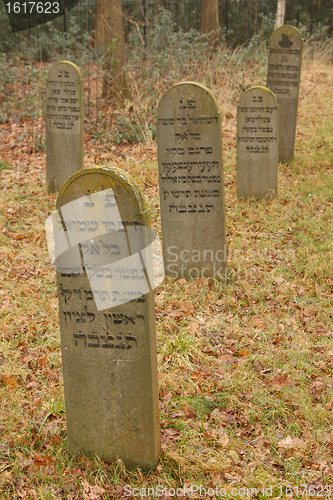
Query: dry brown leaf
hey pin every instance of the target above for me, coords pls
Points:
(219, 434)
(52, 427)
(171, 435)
(24, 461)
(309, 311)
(56, 440)
(225, 358)
(188, 411)
(187, 308)
(193, 327)
(10, 381)
(290, 443)
(92, 492)
(260, 325)
(217, 479)
(42, 361)
(167, 397)
(41, 460)
(278, 382)
(242, 353)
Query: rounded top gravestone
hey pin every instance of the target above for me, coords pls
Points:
(283, 78)
(107, 318)
(64, 123)
(189, 145)
(257, 143)
(99, 178)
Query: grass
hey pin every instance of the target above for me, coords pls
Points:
(245, 368)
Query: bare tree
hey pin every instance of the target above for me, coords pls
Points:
(109, 35)
(280, 12)
(210, 19)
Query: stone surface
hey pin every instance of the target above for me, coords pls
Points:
(283, 78)
(108, 351)
(189, 146)
(257, 144)
(64, 124)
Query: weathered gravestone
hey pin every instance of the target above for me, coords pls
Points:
(107, 318)
(189, 145)
(257, 144)
(64, 124)
(283, 78)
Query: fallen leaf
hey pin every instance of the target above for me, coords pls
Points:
(24, 461)
(10, 443)
(167, 397)
(56, 440)
(188, 411)
(171, 435)
(219, 434)
(216, 479)
(290, 443)
(278, 339)
(52, 427)
(10, 381)
(241, 353)
(260, 325)
(92, 492)
(278, 382)
(42, 361)
(42, 461)
(225, 358)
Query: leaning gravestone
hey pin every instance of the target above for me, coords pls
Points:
(257, 144)
(283, 78)
(107, 318)
(189, 145)
(64, 124)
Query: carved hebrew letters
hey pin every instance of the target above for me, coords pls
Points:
(64, 85)
(64, 123)
(283, 79)
(257, 143)
(190, 174)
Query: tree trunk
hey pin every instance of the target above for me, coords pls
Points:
(109, 34)
(210, 20)
(280, 12)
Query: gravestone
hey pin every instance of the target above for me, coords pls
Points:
(107, 318)
(257, 144)
(64, 124)
(189, 146)
(283, 78)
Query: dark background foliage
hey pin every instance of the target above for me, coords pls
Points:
(240, 20)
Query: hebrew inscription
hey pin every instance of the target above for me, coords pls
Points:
(283, 79)
(116, 272)
(190, 177)
(64, 123)
(63, 100)
(257, 143)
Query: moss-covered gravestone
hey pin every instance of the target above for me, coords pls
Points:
(64, 124)
(107, 318)
(189, 146)
(257, 144)
(283, 78)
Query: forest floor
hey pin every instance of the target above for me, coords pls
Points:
(245, 368)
